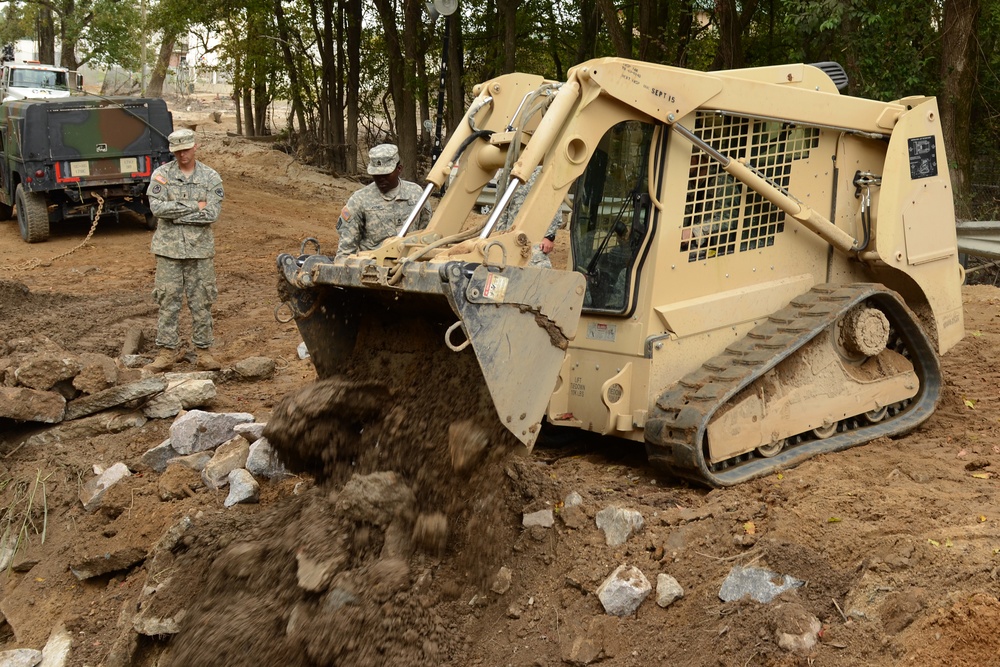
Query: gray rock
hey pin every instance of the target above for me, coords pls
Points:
(255, 368)
(134, 360)
(243, 488)
(573, 499)
(112, 421)
(94, 489)
(113, 397)
(97, 373)
(624, 590)
(251, 432)
(543, 518)
(158, 457)
(196, 461)
(667, 590)
(180, 394)
(157, 626)
(302, 351)
(757, 582)
(618, 524)
(173, 376)
(43, 370)
(262, 461)
(56, 651)
(196, 430)
(228, 457)
(32, 405)
(20, 657)
(106, 563)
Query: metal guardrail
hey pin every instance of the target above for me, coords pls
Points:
(979, 237)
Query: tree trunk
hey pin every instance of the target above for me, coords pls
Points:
(507, 13)
(732, 24)
(295, 89)
(590, 20)
(159, 73)
(249, 124)
(685, 28)
(619, 35)
(339, 152)
(959, 73)
(403, 99)
(354, 18)
(455, 91)
(652, 31)
(46, 36)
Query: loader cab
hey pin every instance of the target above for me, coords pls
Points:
(612, 217)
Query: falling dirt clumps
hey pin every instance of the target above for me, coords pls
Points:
(415, 505)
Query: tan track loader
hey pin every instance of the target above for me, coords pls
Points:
(762, 269)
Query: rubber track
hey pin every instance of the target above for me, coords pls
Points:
(675, 433)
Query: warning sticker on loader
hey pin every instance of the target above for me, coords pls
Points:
(923, 157)
(601, 331)
(495, 287)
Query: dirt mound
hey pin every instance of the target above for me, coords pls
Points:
(418, 503)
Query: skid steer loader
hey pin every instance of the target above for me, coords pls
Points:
(762, 268)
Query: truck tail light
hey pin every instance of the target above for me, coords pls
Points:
(39, 173)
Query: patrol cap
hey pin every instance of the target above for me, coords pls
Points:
(181, 140)
(382, 159)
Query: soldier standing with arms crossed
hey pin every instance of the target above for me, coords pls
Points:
(378, 210)
(186, 197)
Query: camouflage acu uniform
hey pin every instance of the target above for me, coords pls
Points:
(538, 258)
(371, 217)
(184, 245)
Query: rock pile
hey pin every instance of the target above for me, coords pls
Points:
(44, 383)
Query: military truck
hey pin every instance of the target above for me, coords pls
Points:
(79, 156)
(762, 269)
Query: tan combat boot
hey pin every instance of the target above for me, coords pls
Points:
(206, 361)
(165, 360)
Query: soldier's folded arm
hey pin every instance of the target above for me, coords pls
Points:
(211, 210)
(349, 238)
(171, 210)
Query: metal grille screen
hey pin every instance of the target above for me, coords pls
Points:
(722, 216)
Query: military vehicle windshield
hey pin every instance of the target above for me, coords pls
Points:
(39, 78)
(611, 215)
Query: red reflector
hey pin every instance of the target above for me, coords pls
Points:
(39, 173)
(28, 179)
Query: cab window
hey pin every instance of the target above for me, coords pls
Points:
(611, 214)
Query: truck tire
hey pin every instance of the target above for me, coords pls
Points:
(151, 222)
(32, 215)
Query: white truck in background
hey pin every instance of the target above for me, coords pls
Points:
(30, 79)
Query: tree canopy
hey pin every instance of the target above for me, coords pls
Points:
(357, 72)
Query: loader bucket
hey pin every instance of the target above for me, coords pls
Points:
(516, 321)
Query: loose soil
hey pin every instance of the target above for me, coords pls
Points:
(897, 541)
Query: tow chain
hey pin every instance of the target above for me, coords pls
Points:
(35, 262)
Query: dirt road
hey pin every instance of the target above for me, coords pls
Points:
(897, 542)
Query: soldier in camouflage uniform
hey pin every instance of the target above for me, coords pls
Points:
(378, 210)
(186, 197)
(540, 251)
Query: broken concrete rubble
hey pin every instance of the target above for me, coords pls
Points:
(94, 489)
(197, 430)
(32, 405)
(624, 590)
(114, 396)
(228, 457)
